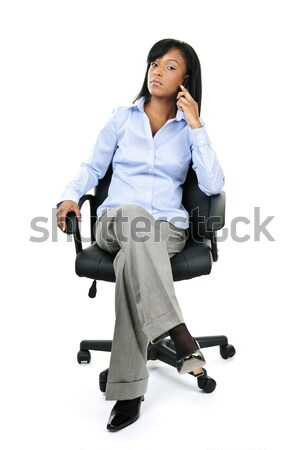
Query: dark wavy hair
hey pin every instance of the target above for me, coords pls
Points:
(193, 83)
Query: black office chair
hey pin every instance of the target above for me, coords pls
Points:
(207, 215)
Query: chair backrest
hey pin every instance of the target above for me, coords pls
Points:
(196, 202)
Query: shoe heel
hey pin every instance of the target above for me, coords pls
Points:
(191, 362)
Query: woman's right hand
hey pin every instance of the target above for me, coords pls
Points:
(64, 208)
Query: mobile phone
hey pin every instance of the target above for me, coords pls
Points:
(185, 84)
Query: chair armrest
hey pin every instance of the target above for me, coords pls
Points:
(216, 219)
(72, 223)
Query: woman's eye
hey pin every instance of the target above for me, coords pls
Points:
(153, 64)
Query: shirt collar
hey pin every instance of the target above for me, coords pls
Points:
(140, 105)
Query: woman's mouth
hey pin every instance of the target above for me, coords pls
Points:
(156, 83)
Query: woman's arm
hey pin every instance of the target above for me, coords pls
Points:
(205, 163)
(209, 172)
(90, 172)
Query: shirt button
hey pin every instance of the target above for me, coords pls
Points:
(150, 169)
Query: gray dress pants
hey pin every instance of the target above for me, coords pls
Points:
(146, 307)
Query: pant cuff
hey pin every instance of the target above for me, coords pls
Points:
(126, 391)
(158, 328)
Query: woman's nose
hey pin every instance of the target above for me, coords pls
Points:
(158, 71)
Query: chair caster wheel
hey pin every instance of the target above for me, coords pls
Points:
(103, 377)
(84, 357)
(207, 384)
(227, 351)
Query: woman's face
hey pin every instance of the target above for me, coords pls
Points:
(166, 74)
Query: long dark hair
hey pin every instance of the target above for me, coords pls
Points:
(193, 83)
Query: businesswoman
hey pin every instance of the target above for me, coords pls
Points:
(142, 221)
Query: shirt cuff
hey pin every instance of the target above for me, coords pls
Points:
(68, 195)
(199, 136)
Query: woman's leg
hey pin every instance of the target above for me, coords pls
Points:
(145, 301)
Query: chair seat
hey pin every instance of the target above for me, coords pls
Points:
(193, 261)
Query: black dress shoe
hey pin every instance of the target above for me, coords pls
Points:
(191, 362)
(120, 419)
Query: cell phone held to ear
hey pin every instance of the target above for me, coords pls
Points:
(185, 84)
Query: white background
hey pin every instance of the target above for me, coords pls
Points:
(64, 66)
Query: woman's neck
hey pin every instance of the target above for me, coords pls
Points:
(162, 108)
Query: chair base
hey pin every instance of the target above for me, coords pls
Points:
(163, 351)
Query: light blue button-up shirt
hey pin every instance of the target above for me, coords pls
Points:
(148, 171)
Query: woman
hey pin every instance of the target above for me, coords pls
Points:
(151, 144)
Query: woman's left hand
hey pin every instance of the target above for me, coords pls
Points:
(187, 104)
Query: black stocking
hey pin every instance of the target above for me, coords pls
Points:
(127, 405)
(184, 342)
